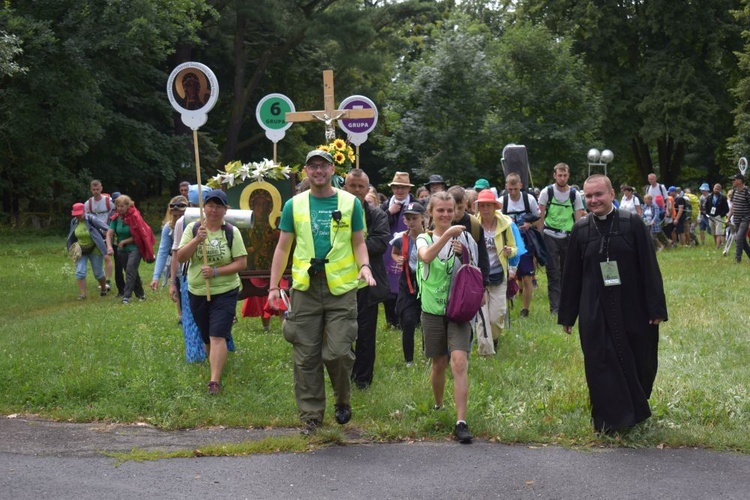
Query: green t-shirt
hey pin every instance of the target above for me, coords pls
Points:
(321, 215)
(122, 231)
(84, 237)
(218, 254)
(434, 279)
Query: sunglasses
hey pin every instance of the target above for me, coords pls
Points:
(178, 206)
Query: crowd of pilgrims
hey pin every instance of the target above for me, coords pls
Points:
(513, 232)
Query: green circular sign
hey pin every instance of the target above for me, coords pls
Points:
(271, 112)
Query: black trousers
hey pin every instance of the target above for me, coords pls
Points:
(410, 317)
(119, 272)
(364, 348)
(390, 310)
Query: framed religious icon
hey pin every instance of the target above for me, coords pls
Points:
(266, 199)
(192, 90)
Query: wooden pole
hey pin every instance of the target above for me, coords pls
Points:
(357, 154)
(200, 205)
(274, 152)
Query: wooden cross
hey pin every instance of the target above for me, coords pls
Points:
(330, 114)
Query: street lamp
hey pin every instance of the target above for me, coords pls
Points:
(597, 159)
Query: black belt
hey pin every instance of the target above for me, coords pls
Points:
(560, 231)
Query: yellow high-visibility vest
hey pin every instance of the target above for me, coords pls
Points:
(341, 269)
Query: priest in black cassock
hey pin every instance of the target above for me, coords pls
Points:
(613, 286)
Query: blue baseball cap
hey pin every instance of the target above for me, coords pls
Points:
(216, 195)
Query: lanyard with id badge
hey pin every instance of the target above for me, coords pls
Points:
(610, 271)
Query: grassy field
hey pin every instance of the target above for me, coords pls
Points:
(97, 360)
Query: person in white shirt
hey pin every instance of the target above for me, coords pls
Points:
(100, 205)
(630, 201)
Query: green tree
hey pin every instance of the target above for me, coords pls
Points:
(663, 68)
(739, 144)
(92, 102)
(264, 46)
(10, 48)
(438, 107)
(542, 99)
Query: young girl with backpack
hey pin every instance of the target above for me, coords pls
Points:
(408, 306)
(437, 258)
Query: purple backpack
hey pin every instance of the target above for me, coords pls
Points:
(466, 291)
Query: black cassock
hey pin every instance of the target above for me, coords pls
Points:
(619, 345)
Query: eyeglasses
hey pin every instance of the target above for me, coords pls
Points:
(317, 166)
(178, 206)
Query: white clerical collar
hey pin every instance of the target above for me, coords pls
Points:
(604, 217)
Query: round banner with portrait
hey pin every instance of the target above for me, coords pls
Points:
(192, 89)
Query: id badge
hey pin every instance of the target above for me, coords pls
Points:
(610, 273)
(713, 210)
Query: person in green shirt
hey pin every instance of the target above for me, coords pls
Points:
(127, 251)
(216, 274)
(329, 262)
(445, 342)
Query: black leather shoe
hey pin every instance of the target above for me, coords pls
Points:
(311, 427)
(343, 414)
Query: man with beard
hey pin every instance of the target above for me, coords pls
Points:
(329, 262)
(560, 206)
(612, 284)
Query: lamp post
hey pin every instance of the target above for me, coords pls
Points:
(600, 159)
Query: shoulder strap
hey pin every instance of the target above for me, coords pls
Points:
(550, 195)
(405, 264)
(91, 206)
(476, 228)
(505, 204)
(107, 200)
(526, 205)
(228, 232)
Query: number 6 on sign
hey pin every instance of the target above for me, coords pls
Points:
(271, 115)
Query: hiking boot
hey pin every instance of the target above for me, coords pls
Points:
(343, 414)
(524, 313)
(311, 427)
(462, 433)
(214, 387)
(437, 407)
(81, 297)
(125, 301)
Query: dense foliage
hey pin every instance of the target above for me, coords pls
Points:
(82, 87)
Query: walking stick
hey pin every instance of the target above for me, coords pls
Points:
(200, 206)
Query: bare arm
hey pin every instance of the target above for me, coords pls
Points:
(280, 258)
(542, 214)
(428, 254)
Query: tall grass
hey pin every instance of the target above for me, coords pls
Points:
(99, 360)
